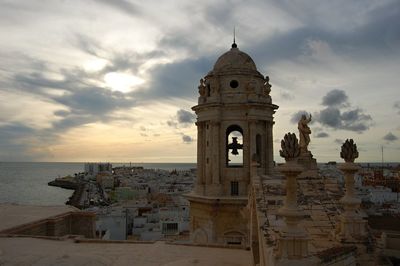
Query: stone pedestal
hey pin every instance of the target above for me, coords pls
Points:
(293, 242)
(309, 164)
(352, 227)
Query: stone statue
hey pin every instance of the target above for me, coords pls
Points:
(290, 147)
(202, 88)
(304, 133)
(267, 86)
(349, 151)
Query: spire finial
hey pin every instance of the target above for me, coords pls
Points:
(234, 45)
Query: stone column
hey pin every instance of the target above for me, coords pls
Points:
(215, 152)
(352, 226)
(214, 188)
(269, 147)
(252, 142)
(200, 158)
(208, 154)
(293, 243)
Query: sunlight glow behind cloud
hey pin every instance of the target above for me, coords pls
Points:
(94, 65)
(122, 82)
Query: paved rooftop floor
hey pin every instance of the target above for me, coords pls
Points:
(30, 251)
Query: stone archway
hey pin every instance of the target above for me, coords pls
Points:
(200, 236)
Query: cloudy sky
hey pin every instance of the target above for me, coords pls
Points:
(101, 80)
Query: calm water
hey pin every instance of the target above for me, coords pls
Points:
(26, 183)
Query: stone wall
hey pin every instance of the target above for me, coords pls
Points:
(71, 223)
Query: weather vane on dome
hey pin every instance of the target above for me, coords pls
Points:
(234, 45)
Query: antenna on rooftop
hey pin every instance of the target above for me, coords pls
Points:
(382, 160)
(234, 45)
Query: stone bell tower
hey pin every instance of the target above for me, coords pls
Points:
(234, 127)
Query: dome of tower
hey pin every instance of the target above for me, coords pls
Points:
(234, 59)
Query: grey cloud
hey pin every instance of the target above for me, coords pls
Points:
(175, 80)
(62, 113)
(397, 107)
(88, 45)
(321, 135)
(222, 14)
(335, 98)
(122, 5)
(128, 61)
(330, 117)
(390, 137)
(185, 117)
(377, 36)
(172, 123)
(94, 100)
(296, 116)
(117, 61)
(338, 141)
(17, 141)
(286, 95)
(187, 139)
(353, 120)
(85, 102)
(346, 118)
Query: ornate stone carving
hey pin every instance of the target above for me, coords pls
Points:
(267, 86)
(290, 147)
(304, 133)
(349, 151)
(251, 86)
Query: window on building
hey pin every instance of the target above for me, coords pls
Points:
(234, 146)
(170, 228)
(233, 238)
(234, 188)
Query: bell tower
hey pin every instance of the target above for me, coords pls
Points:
(234, 128)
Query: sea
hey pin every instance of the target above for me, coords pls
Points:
(26, 182)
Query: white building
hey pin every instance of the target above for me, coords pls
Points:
(93, 169)
(380, 195)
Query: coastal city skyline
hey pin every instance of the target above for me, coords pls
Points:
(116, 80)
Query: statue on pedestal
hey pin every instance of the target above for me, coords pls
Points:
(306, 158)
(304, 133)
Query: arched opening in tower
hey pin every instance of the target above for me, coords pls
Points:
(234, 146)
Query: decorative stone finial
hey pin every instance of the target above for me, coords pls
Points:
(290, 147)
(349, 151)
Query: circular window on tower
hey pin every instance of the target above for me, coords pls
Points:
(234, 84)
